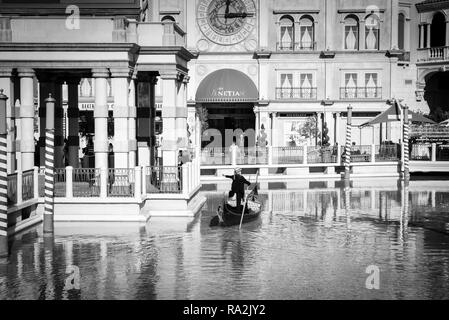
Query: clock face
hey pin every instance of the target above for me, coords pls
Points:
(224, 30)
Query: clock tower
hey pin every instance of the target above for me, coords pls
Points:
(227, 23)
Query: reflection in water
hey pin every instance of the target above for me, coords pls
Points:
(307, 244)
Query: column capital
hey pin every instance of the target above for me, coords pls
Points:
(153, 80)
(26, 72)
(73, 81)
(186, 80)
(5, 72)
(120, 72)
(100, 73)
(170, 75)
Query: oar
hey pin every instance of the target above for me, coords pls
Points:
(243, 211)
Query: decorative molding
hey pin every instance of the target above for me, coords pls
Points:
(169, 12)
(296, 11)
(261, 54)
(328, 54)
(348, 11)
(327, 102)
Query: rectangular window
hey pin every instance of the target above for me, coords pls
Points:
(306, 86)
(371, 86)
(306, 42)
(286, 86)
(350, 90)
(351, 37)
(372, 38)
(286, 38)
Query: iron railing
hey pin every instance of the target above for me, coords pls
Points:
(163, 179)
(60, 183)
(41, 182)
(254, 155)
(360, 153)
(121, 183)
(421, 152)
(288, 155)
(86, 182)
(361, 93)
(387, 152)
(317, 154)
(28, 185)
(442, 153)
(295, 46)
(12, 188)
(215, 156)
(296, 93)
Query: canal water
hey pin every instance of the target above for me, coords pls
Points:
(307, 244)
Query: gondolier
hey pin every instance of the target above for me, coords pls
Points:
(238, 186)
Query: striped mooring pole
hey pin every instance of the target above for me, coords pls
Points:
(49, 164)
(3, 178)
(348, 144)
(406, 133)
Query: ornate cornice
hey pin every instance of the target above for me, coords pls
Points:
(108, 47)
(432, 5)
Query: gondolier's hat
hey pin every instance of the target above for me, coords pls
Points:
(238, 170)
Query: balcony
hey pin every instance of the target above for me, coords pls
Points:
(295, 47)
(360, 93)
(296, 93)
(433, 54)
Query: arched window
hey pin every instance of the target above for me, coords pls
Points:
(286, 33)
(438, 31)
(401, 31)
(168, 19)
(306, 33)
(372, 32)
(351, 33)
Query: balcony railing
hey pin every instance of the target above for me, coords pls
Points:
(433, 54)
(296, 93)
(361, 93)
(295, 46)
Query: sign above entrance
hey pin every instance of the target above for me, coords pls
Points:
(91, 106)
(227, 85)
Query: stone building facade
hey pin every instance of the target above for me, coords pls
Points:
(276, 67)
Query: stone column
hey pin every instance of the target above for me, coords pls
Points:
(120, 87)
(59, 127)
(274, 133)
(169, 115)
(27, 117)
(6, 83)
(428, 35)
(394, 24)
(337, 127)
(421, 36)
(73, 129)
(319, 117)
(181, 113)
(132, 133)
(447, 33)
(101, 117)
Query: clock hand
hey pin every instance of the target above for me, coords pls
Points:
(228, 2)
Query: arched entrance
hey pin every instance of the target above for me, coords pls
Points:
(229, 96)
(438, 31)
(437, 95)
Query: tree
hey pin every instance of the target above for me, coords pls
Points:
(309, 129)
(203, 115)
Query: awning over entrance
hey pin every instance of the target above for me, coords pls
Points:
(227, 85)
(393, 114)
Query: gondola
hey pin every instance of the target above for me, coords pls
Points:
(230, 216)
